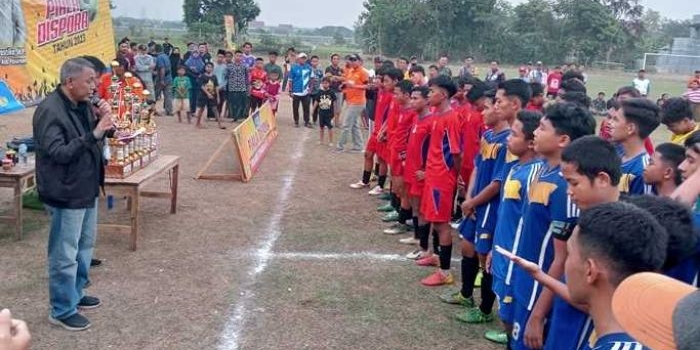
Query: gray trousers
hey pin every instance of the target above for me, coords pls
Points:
(351, 126)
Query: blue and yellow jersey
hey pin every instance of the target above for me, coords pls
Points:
(510, 212)
(490, 162)
(549, 213)
(632, 180)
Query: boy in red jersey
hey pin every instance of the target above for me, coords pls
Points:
(400, 123)
(416, 154)
(554, 83)
(441, 171)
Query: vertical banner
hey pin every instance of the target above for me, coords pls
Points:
(230, 29)
(253, 138)
(37, 36)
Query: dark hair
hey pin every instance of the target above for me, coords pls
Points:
(693, 141)
(314, 56)
(675, 110)
(406, 86)
(133, 44)
(444, 82)
(537, 89)
(479, 90)
(468, 57)
(626, 237)
(181, 67)
(423, 90)
(678, 222)
(403, 58)
(273, 52)
(97, 64)
(571, 119)
(628, 90)
(579, 98)
(674, 155)
(238, 51)
(394, 73)
(572, 74)
(592, 156)
(495, 61)
(643, 113)
(209, 64)
(570, 85)
(601, 93)
(530, 120)
(326, 80)
(417, 69)
(259, 59)
(203, 43)
(335, 55)
(517, 88)
(247, 43)
(432, 66)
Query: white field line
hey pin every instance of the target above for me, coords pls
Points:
(232, 330)
(344, 256)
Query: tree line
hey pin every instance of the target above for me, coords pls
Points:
(582, 31)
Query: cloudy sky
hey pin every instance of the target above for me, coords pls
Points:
(317, 13)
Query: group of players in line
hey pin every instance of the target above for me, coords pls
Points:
(551, 216)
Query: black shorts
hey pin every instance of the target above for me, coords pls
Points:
(325, 120)
(204, 101)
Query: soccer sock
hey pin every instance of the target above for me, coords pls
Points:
(445, 257)
(424, 236)
(382, 181)
(395, 202)
(404, 215)
(416, 229)
(436, 242)
(376, 169)
(487, 295)
(365, 176)
(470, 269)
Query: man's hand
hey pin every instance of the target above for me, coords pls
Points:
(489, 259)
(14, 334)
(468, 207)
(420, 175)
(534, 332)
(529, 266)
(103, 125)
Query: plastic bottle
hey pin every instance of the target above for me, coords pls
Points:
(23, 153)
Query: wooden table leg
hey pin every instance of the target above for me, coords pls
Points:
(134, 217)
(173, 189)
(18, 209)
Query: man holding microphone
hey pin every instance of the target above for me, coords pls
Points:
(69, 131)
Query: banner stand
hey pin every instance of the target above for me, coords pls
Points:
(249, 142)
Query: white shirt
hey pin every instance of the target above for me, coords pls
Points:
(642, 85)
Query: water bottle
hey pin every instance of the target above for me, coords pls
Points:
(110, 202)
(23, 153)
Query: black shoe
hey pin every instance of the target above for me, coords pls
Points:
(296, 125)
(308, 125)
(77, 322)
(88, 302)
(95, 262)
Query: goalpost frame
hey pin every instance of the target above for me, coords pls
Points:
(646, 54)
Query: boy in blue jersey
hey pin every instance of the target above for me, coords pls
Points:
(508, 227)
(611, 242)
(662, 172)
(630, 125)
(548, 219)
(481, 207)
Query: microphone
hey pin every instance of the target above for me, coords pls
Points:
(95, 100)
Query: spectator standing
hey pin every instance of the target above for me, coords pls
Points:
(175, 59)
(70, 170)
(288, 61)
(355, 84)
(335, 73)
(238, 77)
(537, 74)
(191, 48)
(316, 76)
(145, 67)
(468, 70)
(203, 49)
(124, 52)
(248, 57)
(220, 74)
(443, 69)
(692, 94)
(195, 68)
(495, 75)
(164, 79)
(554, 83)
(272, 66)
(642, 83)
(167, 46)
(300, 81)
(258, 78)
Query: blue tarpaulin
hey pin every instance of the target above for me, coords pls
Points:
(8, 103)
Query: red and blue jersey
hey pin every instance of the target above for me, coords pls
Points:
(548, 214)
(510, 213)
(472, 131)
(445, 144)
(632, 180)
(490, 162)
(399, 138)
(417, 147)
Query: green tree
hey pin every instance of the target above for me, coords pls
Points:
(211, 12)
(338, 39)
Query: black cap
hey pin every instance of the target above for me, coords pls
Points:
(353, 57)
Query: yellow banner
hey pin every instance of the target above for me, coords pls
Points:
(253, 138)
(230, 29)
(37, 36)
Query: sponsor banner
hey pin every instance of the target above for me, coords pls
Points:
(253, 138)
(37, 36)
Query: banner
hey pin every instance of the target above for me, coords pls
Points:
(8, 103)
(253, 138)
(37, 36)
(230, 29)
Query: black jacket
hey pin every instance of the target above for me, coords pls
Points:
(69, 161)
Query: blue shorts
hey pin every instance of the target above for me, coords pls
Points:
(568, 327)
(504, 293)
(467, 229)
(520, 317)
(484, 242)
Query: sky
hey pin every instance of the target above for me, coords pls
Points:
(319, 13)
